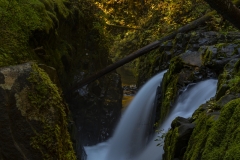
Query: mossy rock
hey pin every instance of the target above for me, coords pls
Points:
(34, 116)
(177, 138)
(216, 134)
(216, 139)
(229, 80)
(179, 75)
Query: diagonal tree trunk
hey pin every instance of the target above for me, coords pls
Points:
(141, 52)
(227, 9)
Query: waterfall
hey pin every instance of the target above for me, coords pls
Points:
(186, 104)
(130, 141)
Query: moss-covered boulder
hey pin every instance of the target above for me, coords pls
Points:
(33, 115)
(216, 138)
(176, 140)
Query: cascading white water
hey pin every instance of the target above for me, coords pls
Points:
(129, 139)
(186, 104)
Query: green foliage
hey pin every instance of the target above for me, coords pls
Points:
(19, 20)
(160, 137)
(153, 20)
(65, 34)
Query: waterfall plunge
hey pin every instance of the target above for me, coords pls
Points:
(129, 139)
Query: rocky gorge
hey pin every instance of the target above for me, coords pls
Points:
(63, 43)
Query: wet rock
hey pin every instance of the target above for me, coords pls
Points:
(129, 90)
(192, 58)
(33, 116)
(180, 132)
(221, 91)
(96, 108)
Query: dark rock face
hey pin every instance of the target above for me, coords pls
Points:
(181, 130)
(96, 109)
(33, 116)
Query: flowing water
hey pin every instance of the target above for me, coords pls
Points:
(130, 140)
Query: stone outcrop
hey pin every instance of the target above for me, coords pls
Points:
(33, 115)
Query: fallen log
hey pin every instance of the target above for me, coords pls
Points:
(141, 51)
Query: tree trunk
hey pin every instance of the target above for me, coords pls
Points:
(227, 9)
(141, 51)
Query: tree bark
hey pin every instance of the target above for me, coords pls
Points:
(141, 52)
(227, 9)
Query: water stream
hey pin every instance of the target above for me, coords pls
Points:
(130, 141)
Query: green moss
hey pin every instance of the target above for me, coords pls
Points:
(220, 50)
(231, 78)
(169, 86)
(208, 54)
(224, 135)
(216, 140)
(170, 143)
(54, 140)
(198, 138)
(234, 84)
